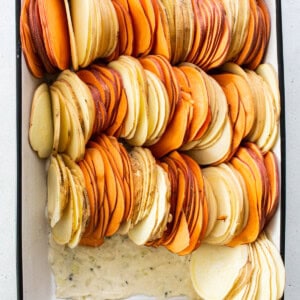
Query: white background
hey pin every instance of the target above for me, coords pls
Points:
(8, 146)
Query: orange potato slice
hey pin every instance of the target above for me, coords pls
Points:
(32, 58)
(55, 32)
(272, 169)
(141, 27)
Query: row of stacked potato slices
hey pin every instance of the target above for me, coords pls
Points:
(165, 137)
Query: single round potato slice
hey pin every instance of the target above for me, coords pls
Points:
(215, 269)
(41, 130)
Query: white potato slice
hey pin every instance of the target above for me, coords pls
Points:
(264, 281)
(253, 284)
(242, 184)
(56, 197)
(270, 119)
(163, 108)
(80, 98)
(217, 151)
(221, 230)
(278, 262)
(270, 263)
(162, 193)
(153, 104)
(219, 109)
(256, 84)
(269, 75)
(56, 118)
(211, 206)
(236, 198)
(80, 13)
(73, 45)
(129, 79)
(41, 132)
(141, 232)
(73, 196)
(65, 127)
(76, 147)
(62, 231)
(215, 269)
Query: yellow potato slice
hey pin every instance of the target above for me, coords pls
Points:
(215, 269)
(41, 131)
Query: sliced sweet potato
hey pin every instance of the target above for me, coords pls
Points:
(174, 135)
(161, 44)
(272, 169)
(200, 102)
(55, 32)
(141, 27)
(252, 229)
(163, 69)
(90, 187)
(251, 36)
(33, 61)
(36, 28)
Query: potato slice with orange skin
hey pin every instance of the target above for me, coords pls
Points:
(117, 215)
(272, 169)
(198, 224)
(113, 83)
(181, 238)
(100, 111)
(170, 168)
(33, 61)
(173, 137)
(90, 168)
(178, 239)
(55, 32)
(252, 229)
(88, 77)
(106, 174)
(261, 180)
(73, 49)
(163, 69)
(130, 200)
(199, 94)
(221, 42)
(197, 173)
(240, 79)
(161, 44)
(206, 12)
(198, 32)
(113, 153)
(254, 58)
(38, 38)
(141, 27)
(252, 38)
(236, 111)
(91, 197)
(126, 36)
(91, 242)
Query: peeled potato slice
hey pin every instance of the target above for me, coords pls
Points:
(215, 269)
(41, 122)
(141, 232)
(62, 231)
(56, 196)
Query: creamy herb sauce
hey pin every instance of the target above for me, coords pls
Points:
(119, 269)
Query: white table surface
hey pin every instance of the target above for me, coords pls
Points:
(8, 148)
